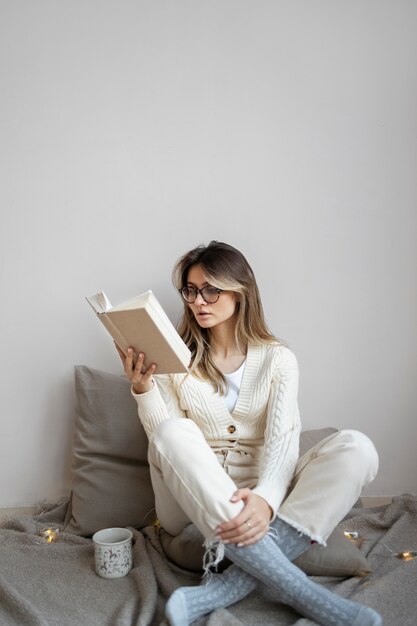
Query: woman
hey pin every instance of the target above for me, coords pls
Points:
(232, 467)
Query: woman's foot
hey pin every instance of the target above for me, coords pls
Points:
(187, 604)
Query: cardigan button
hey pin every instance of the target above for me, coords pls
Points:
(231, 429)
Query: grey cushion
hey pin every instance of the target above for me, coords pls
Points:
(111, 481)
(310, 438)
(341, 557)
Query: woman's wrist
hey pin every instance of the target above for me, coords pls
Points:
(142, 389)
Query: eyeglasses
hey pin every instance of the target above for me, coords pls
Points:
(208, 293)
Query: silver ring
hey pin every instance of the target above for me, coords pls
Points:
(248, 524)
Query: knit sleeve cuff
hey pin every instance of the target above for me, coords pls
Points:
(152, 409)
(272, 494)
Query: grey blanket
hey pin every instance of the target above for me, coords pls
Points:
(55, 584)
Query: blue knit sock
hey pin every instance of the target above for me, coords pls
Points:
(266, 562)
(187, 604)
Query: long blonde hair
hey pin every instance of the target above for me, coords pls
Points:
(226, 268)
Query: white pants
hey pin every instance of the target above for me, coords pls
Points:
(191, 482)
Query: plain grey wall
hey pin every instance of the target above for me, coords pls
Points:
(132, 131)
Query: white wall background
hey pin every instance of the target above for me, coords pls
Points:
(132, 131)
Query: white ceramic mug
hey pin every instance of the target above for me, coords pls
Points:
(113, 552)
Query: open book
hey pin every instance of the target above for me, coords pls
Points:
(142, 324)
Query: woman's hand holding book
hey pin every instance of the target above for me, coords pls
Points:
(141, 381)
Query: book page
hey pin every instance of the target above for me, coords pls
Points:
(99, 302)
(134, 303)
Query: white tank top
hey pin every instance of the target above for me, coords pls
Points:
(234, 381)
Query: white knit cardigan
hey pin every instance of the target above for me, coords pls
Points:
(266, 412)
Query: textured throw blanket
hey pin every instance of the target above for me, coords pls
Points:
(55, 584)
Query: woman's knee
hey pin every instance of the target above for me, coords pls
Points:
(361, 450)
(166, 428)
(171, 431)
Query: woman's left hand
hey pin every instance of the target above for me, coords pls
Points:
(251, 524)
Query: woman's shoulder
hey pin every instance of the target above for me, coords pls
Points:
(280, 354)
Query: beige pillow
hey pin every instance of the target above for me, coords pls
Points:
(341, 557)
(111, 481)
(310, 438)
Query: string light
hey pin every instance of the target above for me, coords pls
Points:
(49, 534)
(407, 555)
(351, 534)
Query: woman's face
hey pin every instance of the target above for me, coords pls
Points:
(210, 315)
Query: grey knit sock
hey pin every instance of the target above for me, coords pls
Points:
(187, 604)
(265, 561)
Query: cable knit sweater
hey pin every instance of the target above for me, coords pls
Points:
(266, 413)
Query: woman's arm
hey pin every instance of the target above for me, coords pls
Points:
(156, 402)
(282, 432)
(279, 457)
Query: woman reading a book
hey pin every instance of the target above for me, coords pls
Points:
(223, 449)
